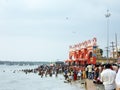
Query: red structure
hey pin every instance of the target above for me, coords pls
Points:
(83, 53)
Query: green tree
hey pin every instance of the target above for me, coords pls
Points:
(101, 52)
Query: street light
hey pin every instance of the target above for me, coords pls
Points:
(107, 15)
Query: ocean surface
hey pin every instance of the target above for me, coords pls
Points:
(18, 80)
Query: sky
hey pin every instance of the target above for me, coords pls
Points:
(43, 30)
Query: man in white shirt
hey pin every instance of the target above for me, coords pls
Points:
(117, 79)
(89, 71)
(108, 78)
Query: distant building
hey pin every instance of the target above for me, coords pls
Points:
(59, 62)
(83, 53)
(115, 53)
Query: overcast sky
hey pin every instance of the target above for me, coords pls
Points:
(42, 30)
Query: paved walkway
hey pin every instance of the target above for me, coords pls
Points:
(91, 86)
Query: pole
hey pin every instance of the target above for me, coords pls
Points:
(113, 55)
(116, 45)
(107, 15)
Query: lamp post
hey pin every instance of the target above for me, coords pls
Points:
(116, 46)
(107, 15)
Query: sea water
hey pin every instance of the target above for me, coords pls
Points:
(13, 79)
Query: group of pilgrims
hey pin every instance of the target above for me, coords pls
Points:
(45, 70)
(71, 73)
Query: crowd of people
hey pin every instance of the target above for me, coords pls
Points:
(105, 74)
(45, 70)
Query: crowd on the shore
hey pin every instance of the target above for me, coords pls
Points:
(106, 74)
(100, 73)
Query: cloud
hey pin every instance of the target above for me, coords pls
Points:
(35, 21)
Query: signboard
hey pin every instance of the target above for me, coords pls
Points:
(85, 44)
